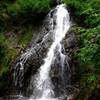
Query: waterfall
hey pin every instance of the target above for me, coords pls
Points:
(42, 82)
(51, 48)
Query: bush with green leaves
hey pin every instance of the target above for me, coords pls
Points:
(22, 12)
(86, 13)
(89, 46)
(21, 6)
(33, 6)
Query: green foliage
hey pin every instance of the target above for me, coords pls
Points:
(86, 12)
(89, 46)
(87, 16)
(39, 6)
(22, 12)
(24, 6)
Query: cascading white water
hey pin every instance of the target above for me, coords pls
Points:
(42, 80)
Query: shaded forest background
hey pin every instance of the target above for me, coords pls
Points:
(19, 17)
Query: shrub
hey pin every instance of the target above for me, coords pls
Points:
(35, 6)
(86, 12)
(22, 12)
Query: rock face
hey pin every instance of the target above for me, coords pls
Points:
(27, 64)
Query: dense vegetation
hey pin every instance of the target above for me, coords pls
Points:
(87, 16)
(17, 19)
